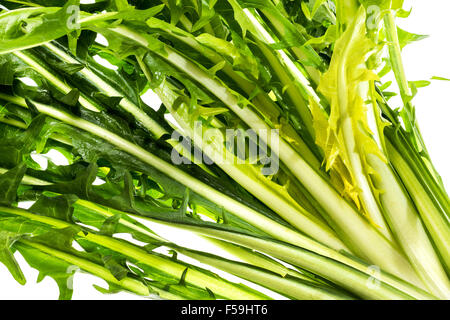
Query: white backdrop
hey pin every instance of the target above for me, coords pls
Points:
(422, 60)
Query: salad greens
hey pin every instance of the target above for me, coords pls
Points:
(275, 141)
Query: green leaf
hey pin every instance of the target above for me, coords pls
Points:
(7, 239)
(29, 27)
(316, 7)
(351, 164)
(60, 239)
(405, 37)
(230, 51)
(59, 207)
(71, 98)
(110, 225)
(9, 183)
(119, 272)
(81, 185)
(6, 72)
(140, 15)
(403, 13)
(112, 288)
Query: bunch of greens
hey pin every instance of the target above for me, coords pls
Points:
(353, 209)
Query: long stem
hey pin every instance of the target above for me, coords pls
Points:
(241, 253)
(295, 289)
(248, 214)
(299, 52)
(265, 104)
(246, 255)
(53, 79)
(29, 180)
(349, 133)
(250, 178)
(403, 217)
(255, 218)
(153, 126)
(409, 230)
(292, 71)
(97, 17)
(355, 278)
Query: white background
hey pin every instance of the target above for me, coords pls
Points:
(427, 58)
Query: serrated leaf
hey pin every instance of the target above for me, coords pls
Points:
(9, 183)
(347, 106)
(61, 271)
(117, 269)
(71, 98)
(20, 29)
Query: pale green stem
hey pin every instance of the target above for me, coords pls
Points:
(88, 266)
(286, 286)
(348, 129)
(409, 230)
(165, 265)
(437, 223)
(249, 176)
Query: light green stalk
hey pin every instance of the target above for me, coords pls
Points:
(357, 279)
(248, 214)
(256, 219)
(437, 223)
(263, 101)
(164, 265)
(409, 230)
(29, 180)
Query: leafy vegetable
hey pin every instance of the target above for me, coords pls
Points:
(328, 197)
